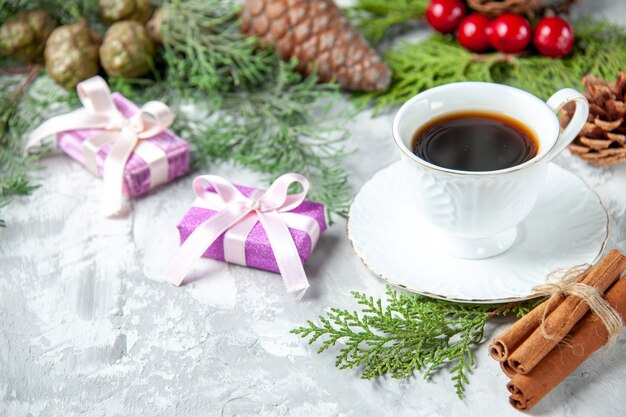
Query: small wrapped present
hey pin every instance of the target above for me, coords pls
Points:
(268, 230)
(131, 148)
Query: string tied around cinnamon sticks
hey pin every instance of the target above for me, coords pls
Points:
(569, 284)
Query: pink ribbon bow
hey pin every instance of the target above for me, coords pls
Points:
(239, 214)
(99, 112)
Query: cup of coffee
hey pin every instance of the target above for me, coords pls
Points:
(475, 156)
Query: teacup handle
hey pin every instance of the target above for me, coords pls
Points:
(556, 103)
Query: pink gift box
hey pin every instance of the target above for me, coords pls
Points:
(259, 252)
(136, 172)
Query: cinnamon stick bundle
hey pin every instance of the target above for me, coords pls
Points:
(525, 344)
(542, 340)
(586, 337)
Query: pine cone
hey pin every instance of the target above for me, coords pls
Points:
(602, 140)
(126, 50)
(320, 37)
(72, 54)
(24, 35)
(117, 10)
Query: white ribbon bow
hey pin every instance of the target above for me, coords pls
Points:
(239, 214)
(99, 112)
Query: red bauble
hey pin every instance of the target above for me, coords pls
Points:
(509, 33)
(472, 33)
(444, 15)
(554, 37)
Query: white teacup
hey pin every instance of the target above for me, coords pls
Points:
(475, 214)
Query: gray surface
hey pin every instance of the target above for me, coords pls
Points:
(87, 329)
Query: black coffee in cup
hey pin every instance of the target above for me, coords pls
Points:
(475, 141)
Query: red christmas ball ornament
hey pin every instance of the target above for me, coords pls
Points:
(554, 37)
(445, 15)
(509, 33)
(472, 33)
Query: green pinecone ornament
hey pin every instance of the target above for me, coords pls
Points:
(23, 36)
(72, 54)
(155, 25)
(118, 10)
(126, 50)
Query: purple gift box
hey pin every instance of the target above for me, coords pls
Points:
(137, 171)
(258, 250)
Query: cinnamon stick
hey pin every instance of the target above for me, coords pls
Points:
(509, 340)
(564, 317)
(507, 370)
(586, 337)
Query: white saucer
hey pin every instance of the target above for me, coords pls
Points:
(568, 226)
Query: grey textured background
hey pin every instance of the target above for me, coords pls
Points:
(87, 329)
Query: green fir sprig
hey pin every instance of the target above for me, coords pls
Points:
(408, 333)
(204, 49)
(20, 112)
(600, 49)
(15, 179)
(374, 18)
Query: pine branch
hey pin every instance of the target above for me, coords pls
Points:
(600, 49)
(409, 333)
(204, 49)
(418, 67)
(374, 18)
(14, 166)
(289, 125)
(25, 101)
